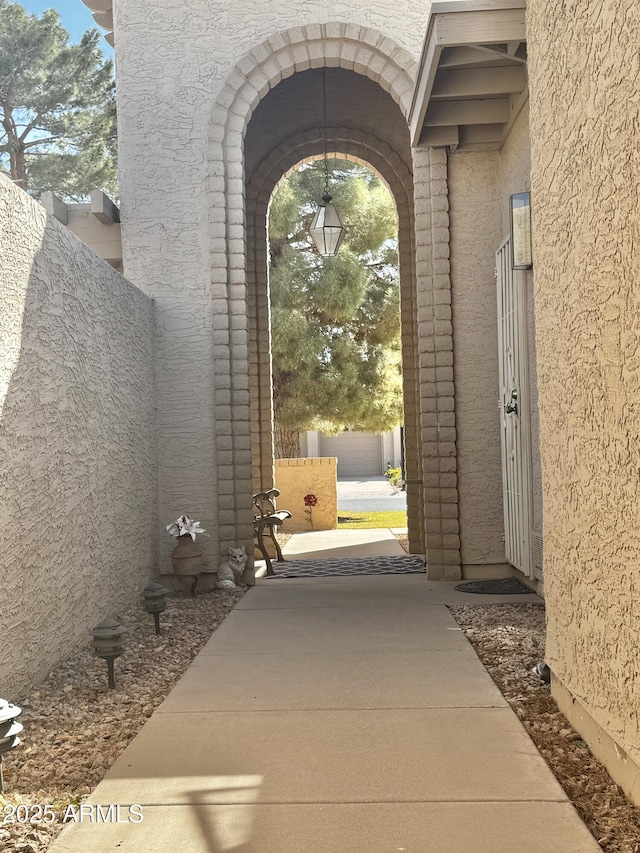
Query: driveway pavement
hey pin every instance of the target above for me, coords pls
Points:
(372, 494)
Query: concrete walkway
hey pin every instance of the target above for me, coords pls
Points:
(345, 715)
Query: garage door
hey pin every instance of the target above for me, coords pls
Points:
(359, 453)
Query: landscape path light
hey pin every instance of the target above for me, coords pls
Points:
(107, 642)
(155, 601)
(9, 731)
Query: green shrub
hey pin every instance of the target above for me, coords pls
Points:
(393, 475)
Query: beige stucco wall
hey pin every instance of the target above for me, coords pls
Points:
(583, 72)
(475, 226)
(514, 168)
(299, 477)
(182, 206)
(480, 184)
(77, 441)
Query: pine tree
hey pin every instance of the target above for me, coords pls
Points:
(335, 321)
(57, 107)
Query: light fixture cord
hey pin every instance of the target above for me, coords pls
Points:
(324, 128)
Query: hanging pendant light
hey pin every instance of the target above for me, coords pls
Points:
(326, 228)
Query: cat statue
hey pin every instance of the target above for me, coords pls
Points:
(231, 573)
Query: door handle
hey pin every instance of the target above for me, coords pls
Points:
(512, 407)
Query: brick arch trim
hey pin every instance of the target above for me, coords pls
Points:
(367, 150)
(349, 46)
(335, 45)
(353, 145)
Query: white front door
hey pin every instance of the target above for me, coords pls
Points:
(514, 410)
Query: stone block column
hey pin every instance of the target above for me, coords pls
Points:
(435, 365)
(260, 379)
(410, 388)
(231, 354)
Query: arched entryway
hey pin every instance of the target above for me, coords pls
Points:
(267, 118)
(350, 143)
(283, 127)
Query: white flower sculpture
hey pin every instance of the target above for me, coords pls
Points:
(183, 526)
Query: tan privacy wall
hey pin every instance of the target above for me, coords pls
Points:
(312, 476)
(583, 74)
(77, 441)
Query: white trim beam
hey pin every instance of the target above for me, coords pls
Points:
(489, 27)
(55, 207)
(456, 57)
(477, 83)
(103, 208)
(481, 134)
(516, 103)
(440, 137)
(492, 51)
(482, 146)
(426, 78)
(439, 7)
(465, 24)
(490, 111)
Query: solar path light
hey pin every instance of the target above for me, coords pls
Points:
(107, 642)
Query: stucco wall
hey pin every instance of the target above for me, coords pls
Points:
(183, 220)
(514, 168)
(480, 185)
(77, 441)
(475, 228)
(583, 73)
(299, 477)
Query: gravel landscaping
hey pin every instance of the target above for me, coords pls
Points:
(75, 727)
(509, 640)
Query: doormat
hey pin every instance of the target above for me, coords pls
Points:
(500, 586)
(338, 567)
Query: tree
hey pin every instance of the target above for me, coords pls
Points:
(57, 107)
(335, 321)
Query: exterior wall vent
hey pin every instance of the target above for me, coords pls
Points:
(536, 551)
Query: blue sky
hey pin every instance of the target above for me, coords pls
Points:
(75, 17)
